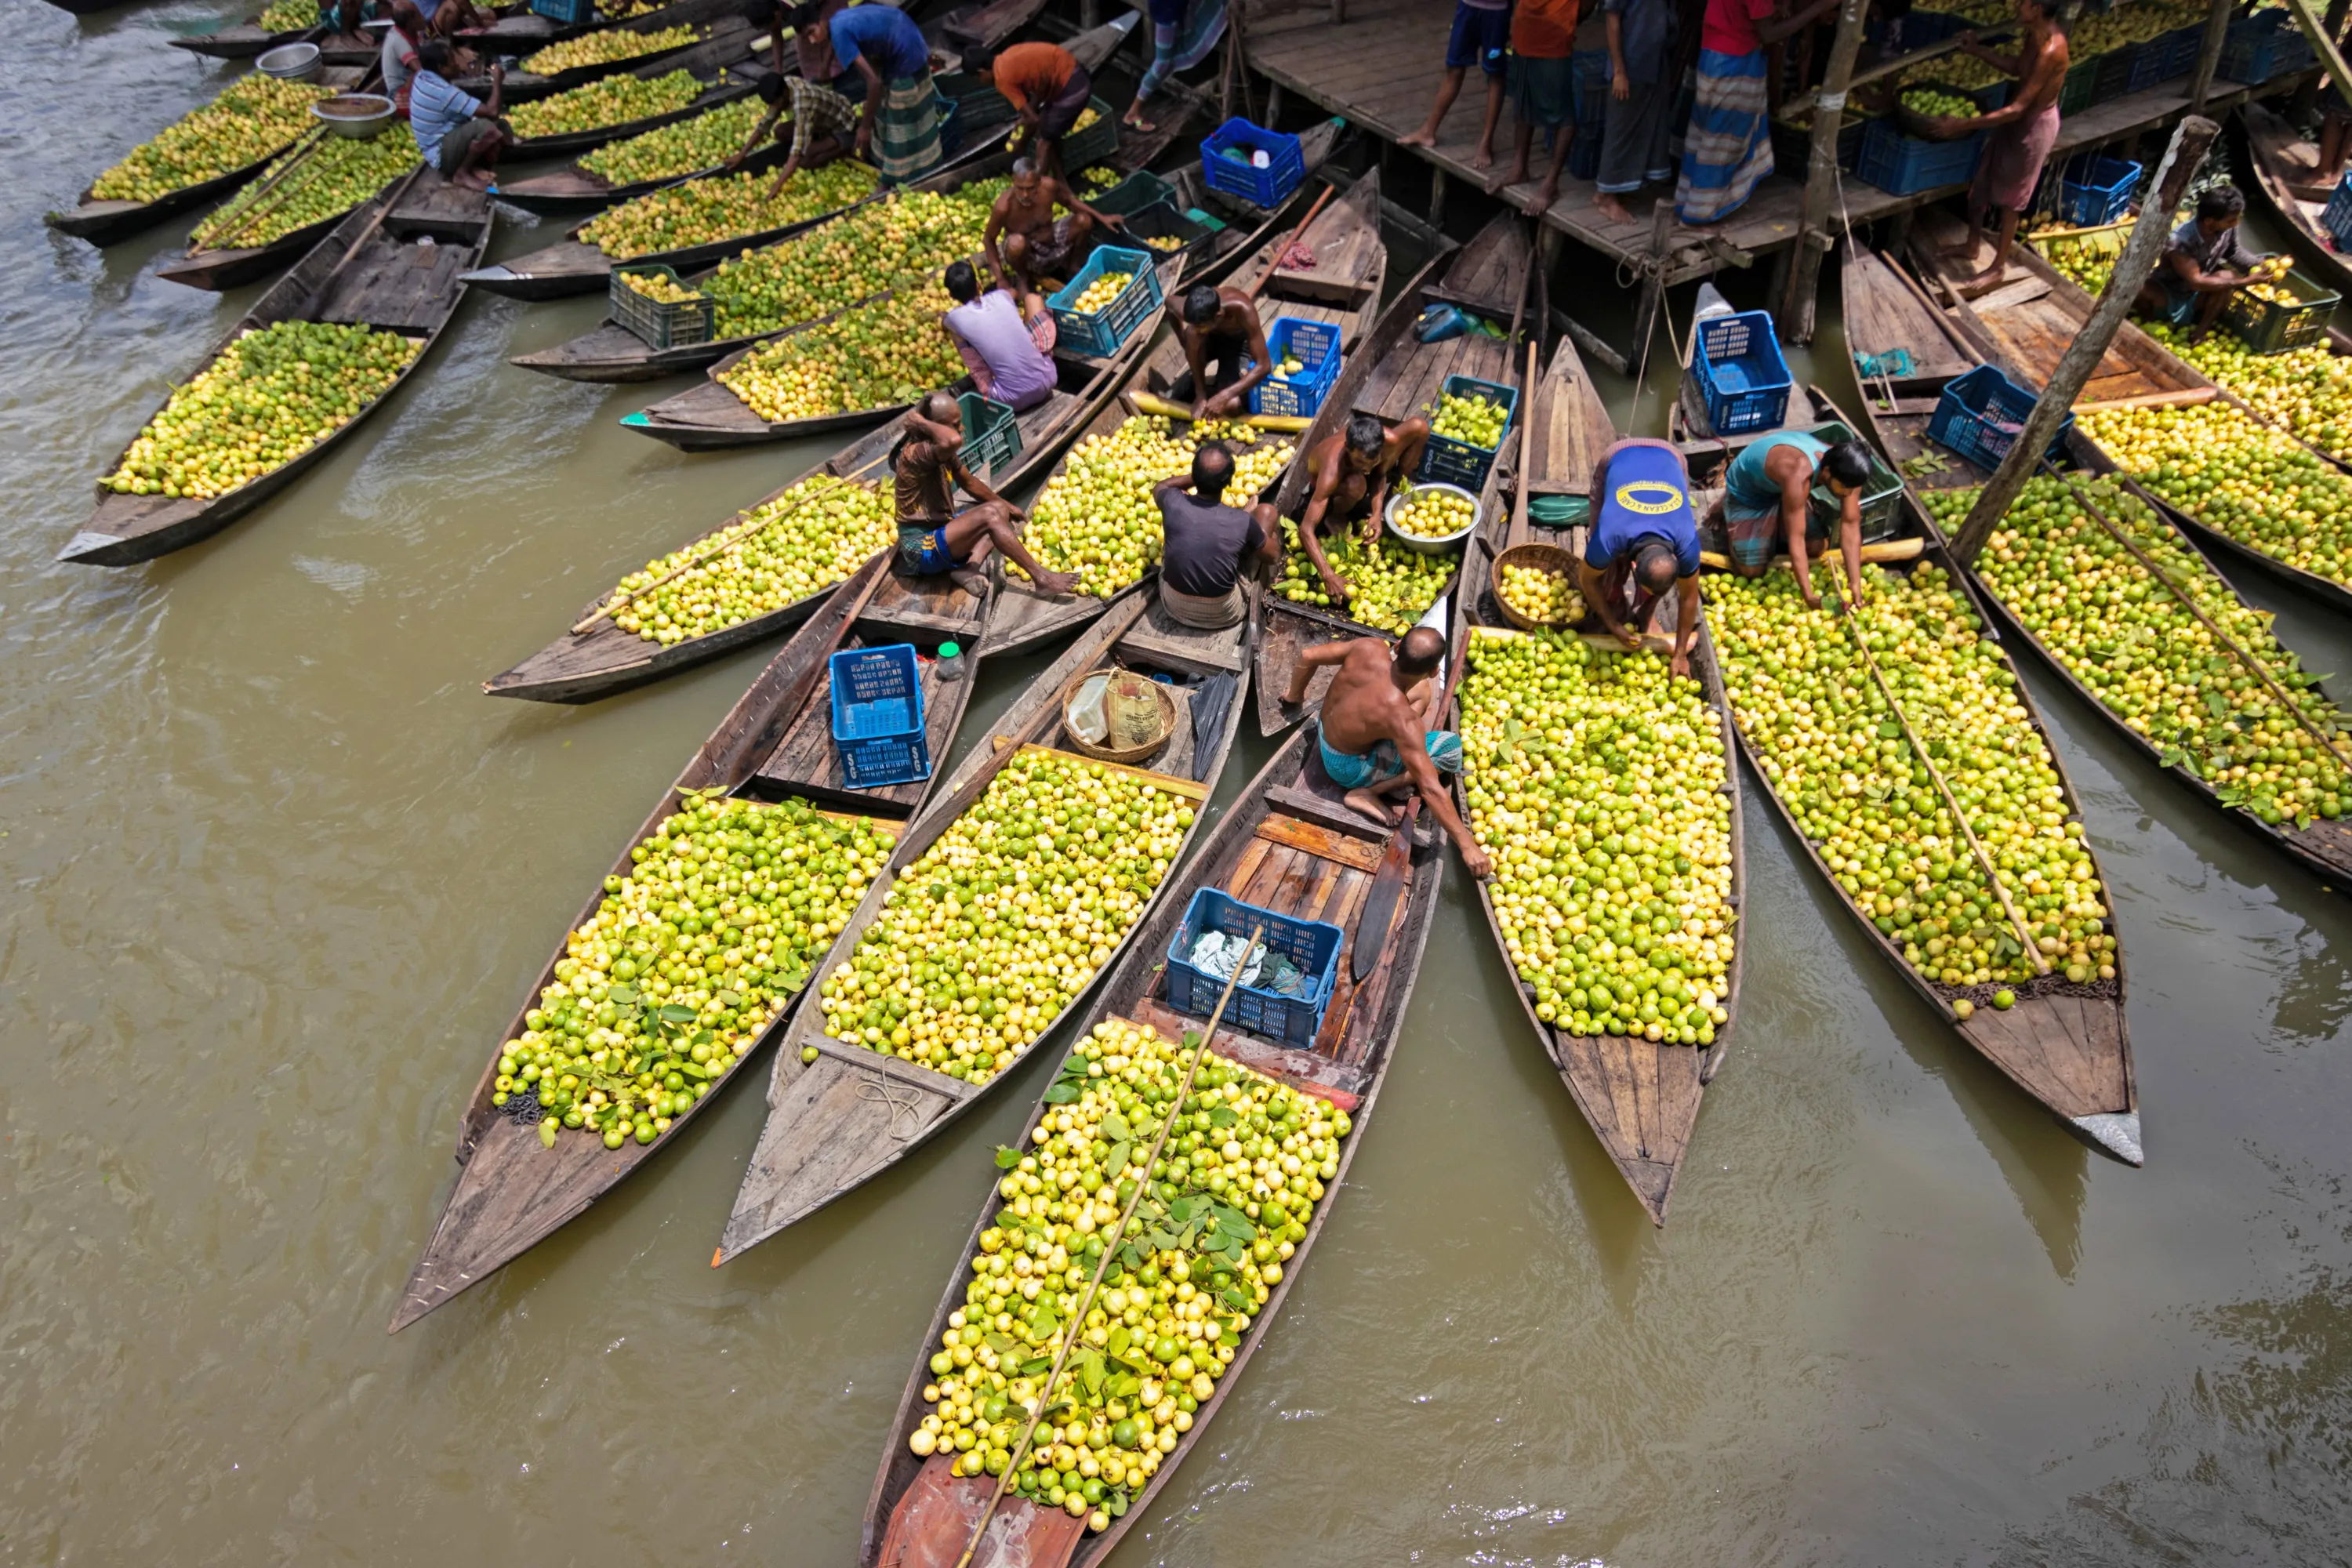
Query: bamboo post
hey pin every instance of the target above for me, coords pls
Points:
(1085, 1302)
(1653, 286)
(1795, 318)
(2189, 140)
(2208, 55)
(2324, 46)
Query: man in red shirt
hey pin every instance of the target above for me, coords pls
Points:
(1543, 92)
(1047, 87)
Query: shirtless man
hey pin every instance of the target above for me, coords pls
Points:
(1035, 244)
(1352, 472)
(2022, 131)
(1218, 327)
(936, 540)
(1375, 733)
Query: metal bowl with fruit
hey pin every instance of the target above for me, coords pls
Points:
(1432, 517)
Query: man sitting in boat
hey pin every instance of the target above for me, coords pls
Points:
(1643, 541)
(1374, 728)
(1024, 242)
(398, 55)
(1218, 329)
(2204, 262)
(1765, 505)
(1352, 473)
(1005, 342)
(458, 134)
(1209, 546)
(821, 119)
(934, 539)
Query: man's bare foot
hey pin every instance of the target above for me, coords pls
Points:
(473, 180)
(1062, 584)
(1541, 203)
(1517, 175)
(1610, 209)
(1484, 158)
(1370, 804)
(1424, 137)
(1983, 282)
(1141, 127)
(973, 579)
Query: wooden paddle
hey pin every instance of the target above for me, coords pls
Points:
(1275, 266)
(310, 144)
(1086, 1302)
(1388, 883)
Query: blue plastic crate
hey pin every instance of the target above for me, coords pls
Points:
(1237, 177)
(1905, 165)
(2261, 46)
(2092, 190)
(1979, 415)
(1312, 945)
(1300, 396)
(566, 13)
(1739, 366)
(2337, 218)
(878, 716)
(1100, 333)
(1452, 462)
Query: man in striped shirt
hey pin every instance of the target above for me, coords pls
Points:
(821, 118)
(458, 134)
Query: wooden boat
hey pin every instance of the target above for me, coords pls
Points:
(1343, 290)
(827, 1131)
(606, 659)
(716, 19)
(1286, 845)
(518, 31)
(232, 267)
(1901, 434)
(1393, 375)
(1641, 1098)
(576, 189)
(2286, 169)
(611, 353)
(2067, 1045)
(709, 61)
(395, 264)
(774, 744)
(104, 223)
(2027, 336)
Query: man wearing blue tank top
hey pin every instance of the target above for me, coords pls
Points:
(1765, 504)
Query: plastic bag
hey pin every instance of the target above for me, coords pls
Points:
(1087, 721)
(1132, 709)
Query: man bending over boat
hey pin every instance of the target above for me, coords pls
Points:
(936, 540)
(1352, 472)
(2204, 262)
(1765, 503)
(1643, 541)
(1219, 328)
(1374, 730)
(823, 123)
(1211, 546)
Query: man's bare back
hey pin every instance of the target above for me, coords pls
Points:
(1376, 716)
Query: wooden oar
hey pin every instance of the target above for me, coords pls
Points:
(391, 200)
(2189, 602)
(1127, 1216)
(1274, 265)
(2025, 936)
(1518, 532)
(310, 142)
(1388, 883)
(733, 541)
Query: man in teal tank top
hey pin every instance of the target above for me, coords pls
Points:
(1765, 504)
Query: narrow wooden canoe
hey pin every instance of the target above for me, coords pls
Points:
(2067, 1045)
(517, 31)
(1641, 1098)
(827, 1132)
(511, 1192)
(714, 19)
(404, 274)
(2067, 300)
(709, 61)
(1343, 290)
(1286, 845)
(105, 223)
(2285, 168)
(1395, 376)
(606, 659)
(2325, 846)
(236, 266)
(572, 189)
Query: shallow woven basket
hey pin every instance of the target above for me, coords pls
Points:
(1550, 558)
(1087, 748)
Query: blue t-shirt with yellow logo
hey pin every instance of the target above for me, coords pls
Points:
(1644, 496)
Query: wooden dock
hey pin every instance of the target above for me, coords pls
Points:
(1380, 69)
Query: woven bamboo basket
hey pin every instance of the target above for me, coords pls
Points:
(1546, 557)
(1102, 753)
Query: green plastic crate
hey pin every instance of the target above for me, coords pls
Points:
(661, 324)
(2268, 327)
(1882, 497)
(991, 433)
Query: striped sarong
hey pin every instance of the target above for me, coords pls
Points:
(1179, 44)
(1726, 148)
(906, 127)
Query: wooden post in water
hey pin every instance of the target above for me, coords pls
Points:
(2190, 142)
(2208, 55)
(1654, 287)
(2323, 44)
(1795, 317)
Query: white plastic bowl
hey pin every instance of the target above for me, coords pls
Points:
(357, 115)
(290, 62)
(1433, 546)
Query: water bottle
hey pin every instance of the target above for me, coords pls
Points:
(951, 661)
